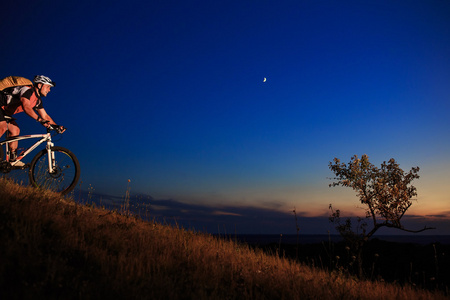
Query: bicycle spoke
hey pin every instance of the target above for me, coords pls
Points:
(64, 176)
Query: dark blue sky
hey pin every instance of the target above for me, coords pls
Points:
(170, 94)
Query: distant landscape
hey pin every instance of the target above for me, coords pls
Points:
(53, 248)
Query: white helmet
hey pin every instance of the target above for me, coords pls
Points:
(43, 79)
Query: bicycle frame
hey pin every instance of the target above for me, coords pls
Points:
(47, 137)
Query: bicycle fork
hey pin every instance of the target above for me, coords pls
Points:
(51, 158)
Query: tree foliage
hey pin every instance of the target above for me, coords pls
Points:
(386, 192)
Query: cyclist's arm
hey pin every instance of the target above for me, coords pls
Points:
(26, 105)
(43, 114)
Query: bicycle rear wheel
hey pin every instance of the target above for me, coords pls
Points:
(65, 176)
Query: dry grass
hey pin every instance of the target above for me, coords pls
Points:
(54, 248)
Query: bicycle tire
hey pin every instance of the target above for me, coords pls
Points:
(67, 171)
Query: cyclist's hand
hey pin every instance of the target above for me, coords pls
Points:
(59, 128)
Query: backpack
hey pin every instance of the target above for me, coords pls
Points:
(11, 81)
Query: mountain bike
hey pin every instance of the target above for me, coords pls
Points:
(55, 168)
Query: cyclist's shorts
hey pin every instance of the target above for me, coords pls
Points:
(3, 98)
(2, 115)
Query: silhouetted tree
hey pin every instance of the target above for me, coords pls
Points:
(386, 193)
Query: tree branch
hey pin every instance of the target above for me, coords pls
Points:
(416, 231)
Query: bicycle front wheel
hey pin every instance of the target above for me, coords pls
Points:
(64, 176)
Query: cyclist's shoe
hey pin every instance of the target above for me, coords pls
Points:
(18, 164)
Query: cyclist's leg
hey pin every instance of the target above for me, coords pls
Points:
(13, 130)
(3, 125)
(3, 128)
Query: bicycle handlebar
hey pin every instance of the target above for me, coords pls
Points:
(58, 128)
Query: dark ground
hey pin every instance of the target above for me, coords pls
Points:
(422, 265)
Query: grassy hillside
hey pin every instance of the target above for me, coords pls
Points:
(53, 248)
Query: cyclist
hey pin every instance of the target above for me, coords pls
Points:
(27, 99)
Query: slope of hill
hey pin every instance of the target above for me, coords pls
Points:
(54, 248)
